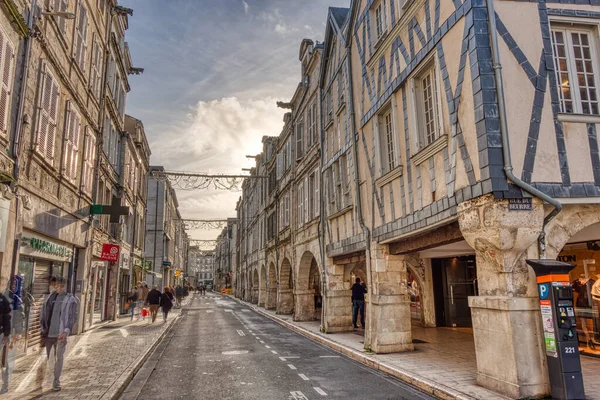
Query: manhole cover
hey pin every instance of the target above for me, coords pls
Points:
(235, 352)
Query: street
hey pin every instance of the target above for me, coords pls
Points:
(220, 349)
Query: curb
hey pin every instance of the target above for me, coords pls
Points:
(425, 385)
(119, 386)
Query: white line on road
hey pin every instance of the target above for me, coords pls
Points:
(262, 341)
(124, 332)
(304, 377)
(282, 359)
(298, 396)
(329, 356)
(209, 311)
(292, 357)
(241, 333)
(273, 351)
(267, 346)
(320, 391)
(291, 366)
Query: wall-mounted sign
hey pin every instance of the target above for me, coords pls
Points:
(166, 263)
(524, 204)
(177, 272)
(46, 247)
(110, 252)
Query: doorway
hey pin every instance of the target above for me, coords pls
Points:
(455, 279)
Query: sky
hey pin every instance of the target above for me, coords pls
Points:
(213, 71)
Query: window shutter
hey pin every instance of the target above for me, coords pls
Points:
(52, 116)
(63, 6)
(68, 133)
(81, 46)
(307, 204)
(317, 202)
(6, 66)
(76, 130)
(43, 113)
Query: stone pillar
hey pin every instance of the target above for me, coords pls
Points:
(337, 302)
(506, 318)
(304, 306)
(388, 308)
(262, 294)
(285, 301)
(271, 300)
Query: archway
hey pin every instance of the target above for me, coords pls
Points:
(308, 299)
(285, 296)
(255, 285)
(262, 287)
(271, 301)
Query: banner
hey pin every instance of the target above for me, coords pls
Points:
(110, 252)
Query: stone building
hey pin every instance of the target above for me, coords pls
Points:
(201, 266)
(440, 178)
(225, 255)
(166, 241)
(54, 100)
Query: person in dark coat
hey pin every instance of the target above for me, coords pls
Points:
(358, 303)
(5, 328)
(166, 302)
(153, 300)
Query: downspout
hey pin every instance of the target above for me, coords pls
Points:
(508, 168)
(322, 214)
(359, 211)
(16, 145)
(155, 230)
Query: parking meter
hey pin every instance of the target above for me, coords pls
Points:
(560, 328)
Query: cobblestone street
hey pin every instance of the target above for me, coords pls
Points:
(97, 364)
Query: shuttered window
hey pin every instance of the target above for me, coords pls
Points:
(48, 113)
(81, 36)
(61, 6)
(96, 76)
(89, 161)
(72, 133)
(7, 55)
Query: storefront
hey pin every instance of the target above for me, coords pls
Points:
(40, 259)
(585, 279)
(125, 285)
(96, 301)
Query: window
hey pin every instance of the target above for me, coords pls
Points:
(575, 64)
(81, 36)
(299, 138)
(7, 55)
(379, 20)
(96, 70)
(388, 131)
(71, 156)
(312, 123)
(317, 198)
(60, 6)
(301, 211)
(427, 106)
(48, 113)
(89, 158)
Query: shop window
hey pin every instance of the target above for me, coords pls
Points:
(414, 291)
(585, 280)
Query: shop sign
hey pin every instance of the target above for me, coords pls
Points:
(137, 262)
(46, 247)
(524, 204)
(178, 272)
(110, 252)
(167, 263)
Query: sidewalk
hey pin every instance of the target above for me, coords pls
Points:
(443, 363)
(98, 364)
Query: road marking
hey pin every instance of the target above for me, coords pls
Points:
(273, 351)
(262, 341)
(292, 357)
(258, 338)
(241, 333)
(304, 377)
(209, 311)
(267, 346)
(329, 356)
(228, 310)
(320, 391)
(298, 396)
(246, 310)
(234, 352)
(282, 359)
(291, 366)
(124, 332)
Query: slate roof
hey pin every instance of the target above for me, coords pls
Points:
(339, 14)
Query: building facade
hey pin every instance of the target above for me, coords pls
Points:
(201, 267)
(224, 255)
(440, 175)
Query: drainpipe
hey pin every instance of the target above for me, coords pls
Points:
(508, 168)
(322, 214)
(359, 211)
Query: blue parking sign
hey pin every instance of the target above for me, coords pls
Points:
(544, 290)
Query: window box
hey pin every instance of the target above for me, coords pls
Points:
(424, 154)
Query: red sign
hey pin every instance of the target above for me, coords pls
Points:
(110, 252)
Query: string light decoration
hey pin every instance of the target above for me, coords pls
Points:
(196, 181)
(202, 223)
(203, 244)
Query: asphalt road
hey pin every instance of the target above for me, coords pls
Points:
(220, 349)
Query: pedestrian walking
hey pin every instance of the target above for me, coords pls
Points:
(179, 295)
(132, 300)
(166, 302)
(142, 292)
(5, 328)
(58, 315)
(153, 300)
(358, 303)
(203, 289)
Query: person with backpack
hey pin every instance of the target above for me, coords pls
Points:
(166, 303)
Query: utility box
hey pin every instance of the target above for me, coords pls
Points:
(560, 328)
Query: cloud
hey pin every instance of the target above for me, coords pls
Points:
(246, 6)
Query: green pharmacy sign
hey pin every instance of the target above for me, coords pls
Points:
(47, 247)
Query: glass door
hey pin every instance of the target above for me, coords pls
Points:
(460, 276)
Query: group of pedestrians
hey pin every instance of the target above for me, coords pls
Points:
(201, 289)
(154, 299)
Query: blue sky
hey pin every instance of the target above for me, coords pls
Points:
(213, 72)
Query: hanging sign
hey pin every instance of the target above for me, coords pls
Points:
(110, 252)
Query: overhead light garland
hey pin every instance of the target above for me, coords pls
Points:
(195, 181)
(202, 223)
(203, 244)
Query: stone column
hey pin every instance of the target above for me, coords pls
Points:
(388, 308)
(262, 294)
(506, 318)
(271, 301)
(285, 301)
(304, 306)
(337, 301)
